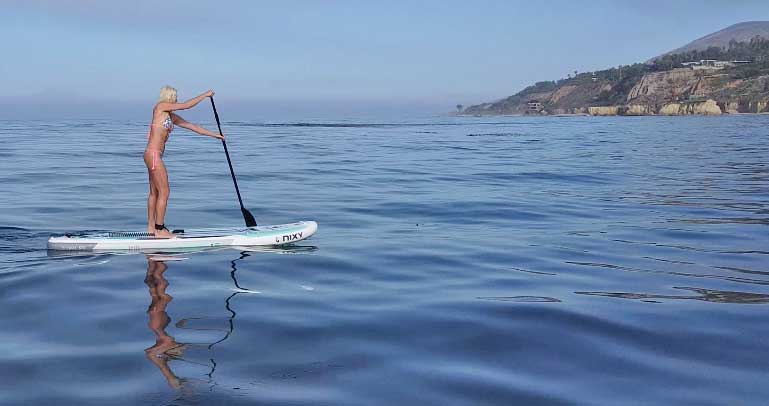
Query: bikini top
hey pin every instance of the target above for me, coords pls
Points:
(168, 124)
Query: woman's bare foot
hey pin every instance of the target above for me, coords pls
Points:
(164, 233)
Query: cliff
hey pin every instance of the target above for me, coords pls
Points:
(663, 86)
(732, 95)
(707, 108)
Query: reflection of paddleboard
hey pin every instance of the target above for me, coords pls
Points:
(214, 237)
(166, 258)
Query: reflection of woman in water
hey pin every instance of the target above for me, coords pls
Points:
(166, 347)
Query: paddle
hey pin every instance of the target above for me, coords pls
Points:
(247, 216)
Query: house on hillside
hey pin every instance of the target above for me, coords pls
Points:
(534, 107)
(712, 64)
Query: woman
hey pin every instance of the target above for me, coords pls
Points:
(163, 121)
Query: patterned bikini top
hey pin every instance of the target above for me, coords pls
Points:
(168, 124)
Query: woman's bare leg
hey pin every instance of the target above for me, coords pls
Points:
(163, 191)
(159, 179)
(151, 199)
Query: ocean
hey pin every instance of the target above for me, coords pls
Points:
(458, 261)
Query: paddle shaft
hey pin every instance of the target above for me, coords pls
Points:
(246, 214)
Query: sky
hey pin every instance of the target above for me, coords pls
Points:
(76, 58)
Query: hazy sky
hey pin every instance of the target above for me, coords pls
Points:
(58, 53)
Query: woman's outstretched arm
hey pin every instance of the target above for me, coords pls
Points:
(178, 120)
(169, 107)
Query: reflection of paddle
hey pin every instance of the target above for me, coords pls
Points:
(247, 216)
(194, 321)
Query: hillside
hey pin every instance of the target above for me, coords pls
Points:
(741, 32)
(699, 78)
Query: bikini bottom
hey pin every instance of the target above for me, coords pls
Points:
(156, 155)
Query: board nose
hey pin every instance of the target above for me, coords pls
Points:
(312, 227)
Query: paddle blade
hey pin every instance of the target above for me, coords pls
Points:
(250, 221)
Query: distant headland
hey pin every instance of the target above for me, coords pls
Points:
(726, 72)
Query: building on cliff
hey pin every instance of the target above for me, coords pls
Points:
(712, 64)
(534, 107)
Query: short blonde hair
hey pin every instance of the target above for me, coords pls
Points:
(167, 95)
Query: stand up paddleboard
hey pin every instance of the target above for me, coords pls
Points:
(274, 235)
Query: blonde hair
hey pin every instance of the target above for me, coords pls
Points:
(167, 95)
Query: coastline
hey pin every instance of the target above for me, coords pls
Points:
(618, 114)
(764, 113)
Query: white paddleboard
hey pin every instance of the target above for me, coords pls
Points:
(273, 235)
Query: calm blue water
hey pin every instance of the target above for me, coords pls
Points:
(459, 261)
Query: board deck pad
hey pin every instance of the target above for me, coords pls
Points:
(269, 235)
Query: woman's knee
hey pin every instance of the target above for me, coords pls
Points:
(163, 192)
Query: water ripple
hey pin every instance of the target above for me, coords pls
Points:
(461, 260)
